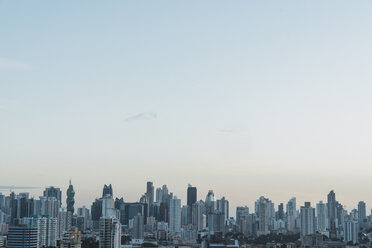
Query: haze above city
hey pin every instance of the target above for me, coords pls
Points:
(246, 98)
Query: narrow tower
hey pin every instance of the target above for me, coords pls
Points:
(70, 198)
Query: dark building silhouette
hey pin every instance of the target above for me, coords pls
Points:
(191, 195)
(332, 212)
(107, 191)
(70, 201)
(280, 212)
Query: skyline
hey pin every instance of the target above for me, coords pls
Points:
(255, 98)
(36, 191)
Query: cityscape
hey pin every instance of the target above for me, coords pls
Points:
(161, 219)
(185, 123)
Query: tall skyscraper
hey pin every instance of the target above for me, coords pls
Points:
(216, 222)
(291, 214)
(223, 207)
(109, 224)
(331, 207)
(191, 195)
(197, 215)
(362, 219)
(210, 202)
(307, 215)
(46, 229)
(70, 201)
(54, 192)
(321, 217)
(263, 213)
(240, 213)
(280, 215)
(150, 193)
(175, 215)
(107, 191)
(138, 227)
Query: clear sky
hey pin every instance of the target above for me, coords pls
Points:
(247, 98)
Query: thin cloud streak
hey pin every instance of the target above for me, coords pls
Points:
(12, 64)
(18, 187)
(141, 116)
(232, 132)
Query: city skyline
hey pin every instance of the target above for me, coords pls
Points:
(248, 98)
(200, 196)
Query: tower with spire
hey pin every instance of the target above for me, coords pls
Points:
(70, 201)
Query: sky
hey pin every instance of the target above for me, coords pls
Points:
(246, 98)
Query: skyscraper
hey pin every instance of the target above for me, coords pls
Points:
(191, 195)
(362, 214)
(241, 212)
(331, 207)
(263, 213)
(291, 214)
(321, 217)
(109, 224)
(107, 191)
(138, 227)
(150, 193)
(175, 215)
(70, 198)
(223, 207)
(53, 192)
(280, 215)
(307, 215)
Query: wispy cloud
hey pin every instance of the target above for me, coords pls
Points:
(12, 64)
(141, 116)
(232, 132)
(17, 187)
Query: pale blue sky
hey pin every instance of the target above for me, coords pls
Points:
(247, 98)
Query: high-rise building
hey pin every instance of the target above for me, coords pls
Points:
(362, 219)
(109, 224)
(109, 232)
(241, 212)
(321, 217)
(291, 214)
(54, 192)
(138, 227)
(185, 215)
(159, 195)
(191, 199)
(216, 222)
(150, 193)
(197, 215)
(263, 206)
(175, 215)
(22, 236)
(351, 229)
(223, 207)
(307, 216)
(280, 215)
(107, 191)
(247, 224)
(46, 228)
(191, 195)
(332, 212)
(70, 201)
(210, 202)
